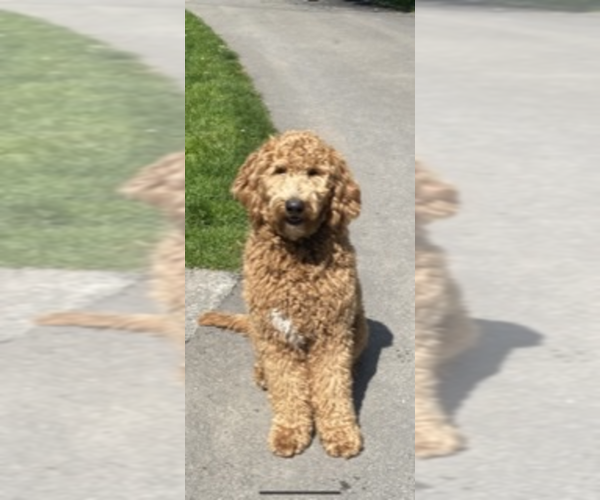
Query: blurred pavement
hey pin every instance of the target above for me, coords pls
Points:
(507, 106)
(87, 414)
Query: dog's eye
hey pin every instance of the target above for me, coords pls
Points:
(313, 172)
(280, 170)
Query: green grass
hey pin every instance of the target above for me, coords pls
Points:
(225, 120)
(77, 120)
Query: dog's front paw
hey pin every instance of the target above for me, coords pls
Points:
(343, 441)
(437, 441)
(289, 441)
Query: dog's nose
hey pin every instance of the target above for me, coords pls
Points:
(294, 207)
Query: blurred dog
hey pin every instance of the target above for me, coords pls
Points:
(442, 327)
(162, 185)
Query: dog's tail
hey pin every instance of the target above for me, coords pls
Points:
(235, 322)
(148, 323)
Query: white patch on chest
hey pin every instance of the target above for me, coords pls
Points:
(285, 326)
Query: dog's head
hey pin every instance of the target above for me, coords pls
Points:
(296, 183)
(434, 199)
(162, 185)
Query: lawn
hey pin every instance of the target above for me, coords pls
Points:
(78, 119)
(225, 120)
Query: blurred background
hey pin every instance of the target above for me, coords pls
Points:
(507, 104)
(556, 5)
(90, 92)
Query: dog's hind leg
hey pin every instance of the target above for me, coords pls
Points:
(235, 322)
(361, 335)
(360, 327)
(259, 376)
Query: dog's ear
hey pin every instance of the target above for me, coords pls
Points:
(245, 188)
(434, 199)
(346, 199)
(161, 184)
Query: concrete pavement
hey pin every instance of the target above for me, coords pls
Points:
(507, 103)
(204, 290)
(87, 414)
(348, 73)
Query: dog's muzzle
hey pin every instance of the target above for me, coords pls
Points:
(294, 211)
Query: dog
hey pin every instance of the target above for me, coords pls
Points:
(161, 185)
(442, 326)
(305, 318)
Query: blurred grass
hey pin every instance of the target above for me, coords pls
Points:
(225, 120)
(78, 119)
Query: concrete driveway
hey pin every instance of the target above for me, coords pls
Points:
(348, 73)
(507, 106)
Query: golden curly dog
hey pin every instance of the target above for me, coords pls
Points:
(162, 185)
(442, 327)
(306, 320)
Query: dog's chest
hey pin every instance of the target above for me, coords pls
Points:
(302, 301)
(286, 330)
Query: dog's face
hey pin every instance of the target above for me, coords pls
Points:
(296, 183)
(434, 199)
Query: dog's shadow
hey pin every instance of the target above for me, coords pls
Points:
(380, 337)
(462, 375)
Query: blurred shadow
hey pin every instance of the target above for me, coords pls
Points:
(379, 338)
(362, 2)
(373, 3)
(498, 340)
(555, 5)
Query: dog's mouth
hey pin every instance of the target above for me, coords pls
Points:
(294, 220)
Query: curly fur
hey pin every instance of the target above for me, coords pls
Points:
(442, 327)
(306, 320)
(162, 185)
